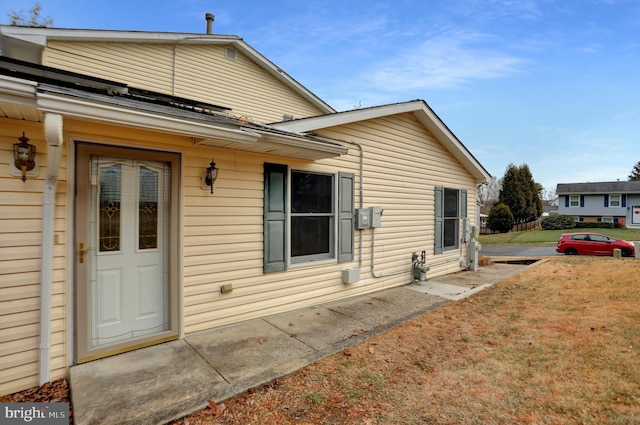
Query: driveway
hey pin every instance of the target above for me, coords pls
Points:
(518, 251)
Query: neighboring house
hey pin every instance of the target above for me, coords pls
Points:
(116, 240)
(613, 202)
(550, 207)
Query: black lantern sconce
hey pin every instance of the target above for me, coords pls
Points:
(211, 174)
(24, 155)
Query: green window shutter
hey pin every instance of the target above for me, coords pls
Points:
(463, 203)
(439, 222)
(275, 217)
(345, 216)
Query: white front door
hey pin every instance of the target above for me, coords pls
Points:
(129, 282)
(124, 227)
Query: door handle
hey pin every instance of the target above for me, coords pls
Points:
(82, 251)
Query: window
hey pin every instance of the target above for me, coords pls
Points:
(615, 200)
(312, 216)
(307, 217)
(574, 200)
(450, 207)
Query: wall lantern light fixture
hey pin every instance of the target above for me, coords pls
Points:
(24, 155)
(210, 176)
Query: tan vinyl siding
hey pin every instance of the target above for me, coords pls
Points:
(20, 266)
(202, 73)
(403, 164)
(221, 235)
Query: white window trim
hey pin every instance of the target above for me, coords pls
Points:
(571, 198)
(611, 200)
(332, 256)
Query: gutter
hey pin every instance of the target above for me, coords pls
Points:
(53, 136)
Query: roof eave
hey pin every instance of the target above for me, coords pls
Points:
(31, 41)
(418, 108)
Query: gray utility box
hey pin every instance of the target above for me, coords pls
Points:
(376, 216)
(350, 275)
(363, 218)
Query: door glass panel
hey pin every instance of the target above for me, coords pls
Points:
(148, 209)
(110, 208)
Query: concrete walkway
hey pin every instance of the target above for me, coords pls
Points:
(157, 384)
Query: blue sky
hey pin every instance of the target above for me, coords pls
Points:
(554, 84)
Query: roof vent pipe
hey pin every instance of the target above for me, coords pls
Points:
(210, 18)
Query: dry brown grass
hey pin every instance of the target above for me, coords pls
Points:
(556, 344)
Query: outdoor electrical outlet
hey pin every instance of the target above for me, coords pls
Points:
(226, 288)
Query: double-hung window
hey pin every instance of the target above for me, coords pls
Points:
(312, 216)
(450, 207)
(574, 200)
(308, 216)
(615, 200)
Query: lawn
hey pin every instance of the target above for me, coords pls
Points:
(558, 343)
(549, 237)
(555, 344)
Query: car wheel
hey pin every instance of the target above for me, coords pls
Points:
(626, 252)
(570, 251)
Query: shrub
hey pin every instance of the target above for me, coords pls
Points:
(594, 225)
(557, 222)
(500, 218)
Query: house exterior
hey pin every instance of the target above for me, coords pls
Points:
(614, 202)
(116, 240)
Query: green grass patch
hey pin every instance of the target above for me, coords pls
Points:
(549, 237)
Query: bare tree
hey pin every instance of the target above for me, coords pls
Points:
(489, 193)
(33, 18)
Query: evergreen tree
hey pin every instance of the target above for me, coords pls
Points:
(500, 218)
(512, 194)
(635, 173)
(521, 193)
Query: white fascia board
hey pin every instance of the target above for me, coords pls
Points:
(92, 111)
(41, 35)
(418, 108)
(341, 118)
(304, 143)
(19, 89)
(435, 125)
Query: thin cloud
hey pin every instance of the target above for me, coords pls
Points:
(444, 62)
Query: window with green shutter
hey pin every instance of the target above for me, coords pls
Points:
(306, 229)
(450, 207)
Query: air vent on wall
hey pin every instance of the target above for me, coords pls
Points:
(230, 53)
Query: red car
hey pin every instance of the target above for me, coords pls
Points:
(592, 244)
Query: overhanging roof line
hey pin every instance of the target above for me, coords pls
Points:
(94, 111)
(418, 108)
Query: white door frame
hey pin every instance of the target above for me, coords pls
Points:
(83, 351)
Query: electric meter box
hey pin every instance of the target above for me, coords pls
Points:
(376, 216)
(363, 218)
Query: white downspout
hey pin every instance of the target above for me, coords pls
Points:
(53, 136)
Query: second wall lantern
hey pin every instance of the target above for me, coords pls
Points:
(210, 176)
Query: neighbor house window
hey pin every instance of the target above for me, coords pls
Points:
(615, 200)
(574, 200)
(450, 207)
(307, 217)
